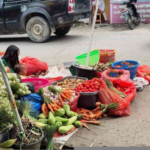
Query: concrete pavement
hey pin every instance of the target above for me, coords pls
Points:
(127, 131)
(128, 44)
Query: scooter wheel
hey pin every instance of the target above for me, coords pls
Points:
(130, 23)
(137, 22)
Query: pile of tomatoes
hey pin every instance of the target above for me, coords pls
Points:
(89, 86)
(122, 89)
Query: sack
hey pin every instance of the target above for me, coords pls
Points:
(35, 100)
(108, 96)
(34, 65)
(144, 71)
(107, 55)
(124, 77)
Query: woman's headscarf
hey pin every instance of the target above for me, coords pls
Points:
(11, 56)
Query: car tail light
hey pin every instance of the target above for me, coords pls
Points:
(71, 8)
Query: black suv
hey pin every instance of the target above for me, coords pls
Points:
(39, 18)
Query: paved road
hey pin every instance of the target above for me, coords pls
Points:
(128, 131)
(129, 44)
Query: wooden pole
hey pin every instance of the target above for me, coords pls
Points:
(92, 31)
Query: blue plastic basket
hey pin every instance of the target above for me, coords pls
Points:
(124, 66)
(113, 74)
(132, 70)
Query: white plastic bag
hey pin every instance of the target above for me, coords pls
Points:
(140, 83)
(54, 72)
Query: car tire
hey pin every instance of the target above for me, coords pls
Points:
(62, 31)
(38, 29)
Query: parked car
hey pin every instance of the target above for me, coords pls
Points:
(40, 18)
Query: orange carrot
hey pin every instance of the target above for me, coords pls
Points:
(100, 117)
(85, 118)
(92, 116)
(43, 109)
(105, 115)
(99, 114)
(64, 100)
(68, 94)
(93, 122)
(53, 107)
(85, 126)
(50, 108)
(62, 95)
(85, 115)
(98, 104)
(57, 106)
(54, 102)
(46, 110)
(98, 108)
(90, 112)
(60, 99)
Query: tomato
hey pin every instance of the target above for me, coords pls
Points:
(87, 86)
(92, 87)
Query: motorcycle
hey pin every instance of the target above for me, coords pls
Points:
(129, 12)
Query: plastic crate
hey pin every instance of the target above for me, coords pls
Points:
(93, 58)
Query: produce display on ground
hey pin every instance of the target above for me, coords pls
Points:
(109, 92)
(70, 82)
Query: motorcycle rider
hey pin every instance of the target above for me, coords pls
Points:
(129, 4)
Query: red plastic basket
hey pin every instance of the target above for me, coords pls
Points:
(54, 79)
(38, 82)
(74, 104)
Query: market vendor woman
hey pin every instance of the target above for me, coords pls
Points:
(11, 57)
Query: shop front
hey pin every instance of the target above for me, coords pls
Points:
(143, 7)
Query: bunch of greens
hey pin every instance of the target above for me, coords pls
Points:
(49, 133)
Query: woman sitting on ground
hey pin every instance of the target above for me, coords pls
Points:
(11, 57)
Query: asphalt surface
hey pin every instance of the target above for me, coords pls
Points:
(135, 45)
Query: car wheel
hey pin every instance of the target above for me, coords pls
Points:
(38, 29)
(62, 31)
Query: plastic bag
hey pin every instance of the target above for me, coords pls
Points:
(54, 72)
(140, 83)
(144, 71)
(107, 55)
(34, 65)
(108, 96)
(35, 101)
(124, 77)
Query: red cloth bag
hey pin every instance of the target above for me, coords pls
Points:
(34, 65)
(108, 96)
